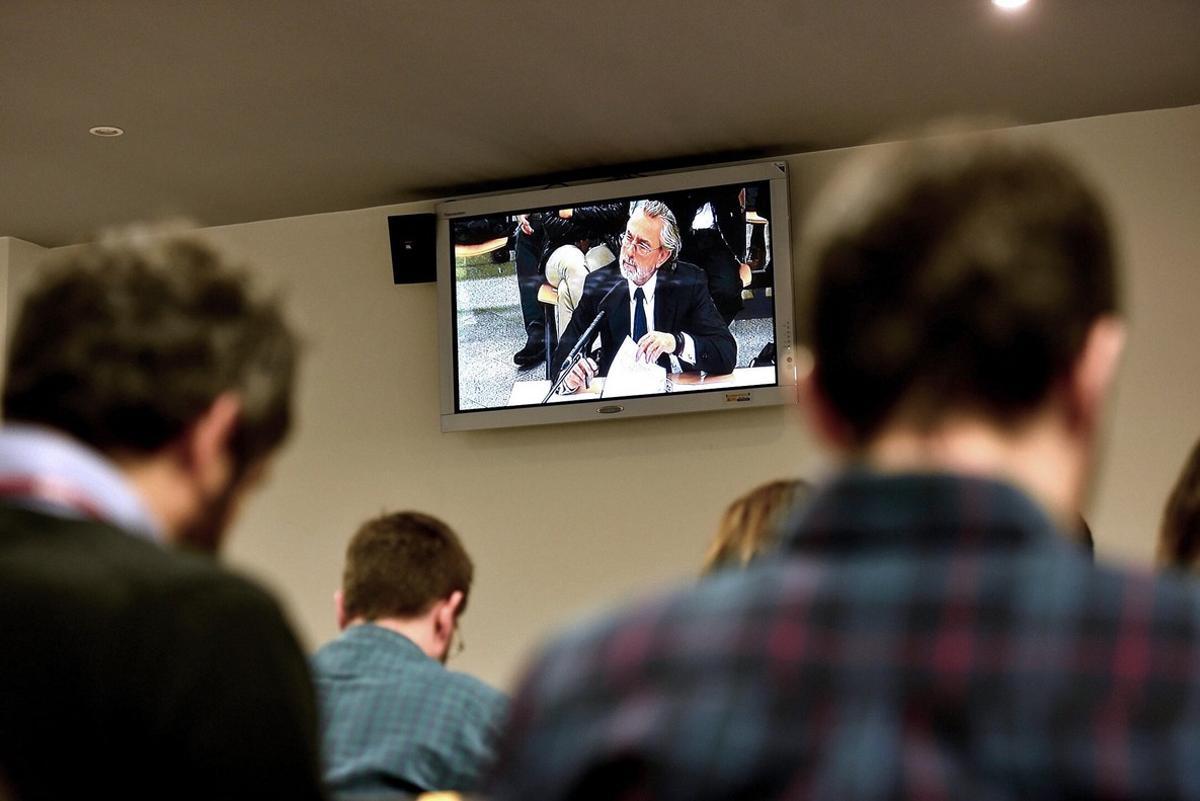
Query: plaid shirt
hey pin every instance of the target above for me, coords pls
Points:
(392, 718)
(920, 636)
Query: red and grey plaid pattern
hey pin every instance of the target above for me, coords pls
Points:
(918, 636)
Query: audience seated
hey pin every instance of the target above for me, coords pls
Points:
(146, 392)
(928, 629)
(750, 525)
(394, 719)
(1179, 533)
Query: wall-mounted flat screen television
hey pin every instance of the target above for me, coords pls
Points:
(657, 294)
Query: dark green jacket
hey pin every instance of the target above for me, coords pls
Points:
(128, 670)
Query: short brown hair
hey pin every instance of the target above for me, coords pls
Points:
(750, 524)
(1179, 535)
(954, 273)
(123, 344)
(399, 564)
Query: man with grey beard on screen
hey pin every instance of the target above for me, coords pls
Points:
(653, 299)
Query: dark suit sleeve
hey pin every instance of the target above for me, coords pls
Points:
(716, 349)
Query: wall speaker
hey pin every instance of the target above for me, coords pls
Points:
(414, 248)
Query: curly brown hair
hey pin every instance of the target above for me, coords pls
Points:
(123, 344)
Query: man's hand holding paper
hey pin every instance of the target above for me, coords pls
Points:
(631, 375)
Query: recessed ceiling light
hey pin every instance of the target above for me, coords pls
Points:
(106, 130)
(1010, 5)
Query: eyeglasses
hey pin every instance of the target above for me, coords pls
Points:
(457, 643)
(643, 247)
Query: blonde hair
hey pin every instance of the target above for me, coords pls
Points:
(749, 525)
(1179, 533)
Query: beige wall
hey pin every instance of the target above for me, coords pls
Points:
(1149, 165)
(553, 531)
(565, 519)
(18, 266)
(5, 247)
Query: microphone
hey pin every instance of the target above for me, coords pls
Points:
(590, 331)
(577, 350)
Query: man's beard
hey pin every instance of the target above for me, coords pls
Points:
(206, 531)
(632, 272)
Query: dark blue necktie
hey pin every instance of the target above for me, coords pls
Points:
(639, 315)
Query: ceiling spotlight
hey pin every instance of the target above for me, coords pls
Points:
(106, 130)
(1010, 5)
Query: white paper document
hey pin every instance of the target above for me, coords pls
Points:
(628, 376)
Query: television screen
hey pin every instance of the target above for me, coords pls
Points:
(648, 295)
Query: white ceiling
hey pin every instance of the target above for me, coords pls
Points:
(238, 111)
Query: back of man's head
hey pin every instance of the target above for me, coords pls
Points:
(951, 275)
(125, 343)
(398, 565)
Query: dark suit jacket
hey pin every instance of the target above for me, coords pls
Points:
(133, 671)
(718, 251)
(728, 215)
(682, 304)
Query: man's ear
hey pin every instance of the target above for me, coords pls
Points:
(446, 615)
(820, 415)
(1094, 371)
(339, 607)
(207, 440)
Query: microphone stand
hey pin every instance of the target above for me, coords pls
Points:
(574, 356)
(577, 352)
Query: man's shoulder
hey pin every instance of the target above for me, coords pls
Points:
(684, 272)
(684, 280)
(369, 649)
(105, 571)
(1168, 602)
(603, 279)
(720, 624)
(476, 693)
(391, 659)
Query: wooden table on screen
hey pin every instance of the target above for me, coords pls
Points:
(530, 393)
(467, 251)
